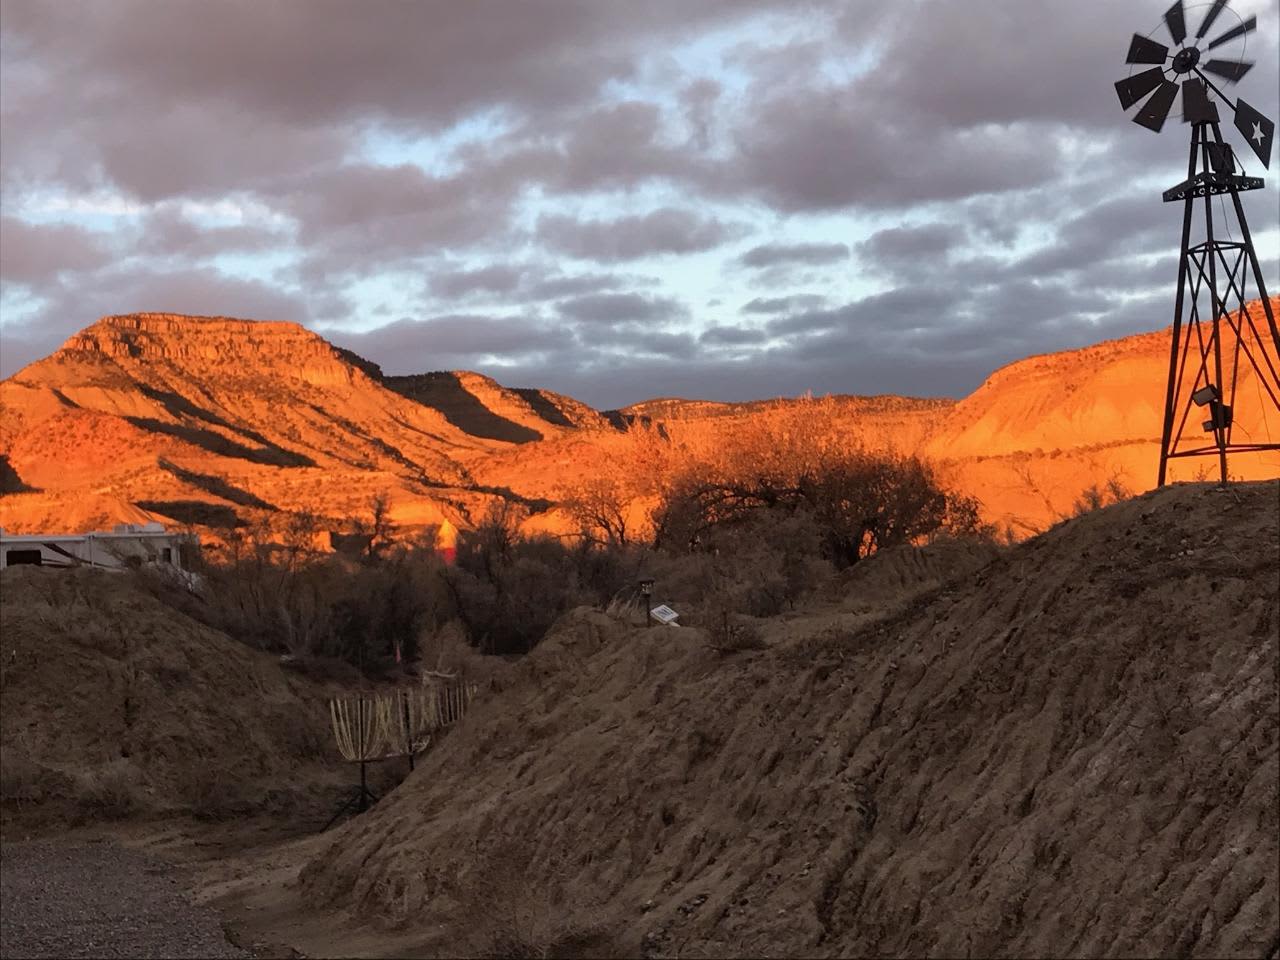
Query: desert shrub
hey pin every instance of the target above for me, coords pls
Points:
(533, 911)
(25, 780)
(731, 633)
(1099, 495)
(110, 791)
(507, 590)
(317, 606)
(859, 502)
(721, 616)
(213, 794)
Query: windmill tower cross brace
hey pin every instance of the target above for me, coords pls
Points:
(1214, 270)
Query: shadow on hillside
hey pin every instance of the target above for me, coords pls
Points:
(194, 513)
(543, 407)
(443, 391)
(270, 455)
(218, 487)
(10, 482)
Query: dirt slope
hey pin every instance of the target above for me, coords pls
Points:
(1070, 752)
(115, 704)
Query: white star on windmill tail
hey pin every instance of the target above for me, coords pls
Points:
(1256, 129)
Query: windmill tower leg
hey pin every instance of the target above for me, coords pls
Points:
(1183, 255)
(1219, 309)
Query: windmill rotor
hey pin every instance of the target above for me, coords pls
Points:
(1182, 66)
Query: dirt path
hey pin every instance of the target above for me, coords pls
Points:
(123, 889)
(99, 899)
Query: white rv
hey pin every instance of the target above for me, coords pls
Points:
(125, 545)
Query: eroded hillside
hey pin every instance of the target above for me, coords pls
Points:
(117, 705)
(218, 423)
(1071, 752)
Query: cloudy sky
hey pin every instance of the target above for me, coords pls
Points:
(726, 199)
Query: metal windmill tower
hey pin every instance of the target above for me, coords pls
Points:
(1215, 335)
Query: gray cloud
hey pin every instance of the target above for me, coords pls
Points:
(731, 336)
(870, 317)
(149, 85)
(792, 304)
(32, 254)
(628, 238)
(554, 287)
(522, 283)
(621, 308)
(811, 254)
(167, 232)
(438, 343)
(1002, 139)
(497, 278)
(918, 250)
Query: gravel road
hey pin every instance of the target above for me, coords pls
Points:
(99, 900)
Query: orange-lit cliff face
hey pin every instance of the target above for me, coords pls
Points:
(213, 422)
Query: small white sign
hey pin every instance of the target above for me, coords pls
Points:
(664, 614)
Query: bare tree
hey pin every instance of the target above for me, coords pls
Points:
(599, 507)
(378, 528)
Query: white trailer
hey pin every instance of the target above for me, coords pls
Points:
(125, 545)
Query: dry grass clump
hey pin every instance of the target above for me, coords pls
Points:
(110, 792)
(24, 780)
(531, 920)
(730, 633)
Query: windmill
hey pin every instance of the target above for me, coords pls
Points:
(1216, 336)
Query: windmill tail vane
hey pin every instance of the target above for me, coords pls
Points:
(1224, 325)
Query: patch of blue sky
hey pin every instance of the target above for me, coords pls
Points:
(17, 305)
(95, 210)
(393, 293)
(385, 146)
(266, 266)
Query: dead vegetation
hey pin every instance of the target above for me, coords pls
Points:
(116, 706)
(1069, 749)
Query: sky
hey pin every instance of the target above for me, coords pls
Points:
(728, 199)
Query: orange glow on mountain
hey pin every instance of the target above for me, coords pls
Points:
(217, 423)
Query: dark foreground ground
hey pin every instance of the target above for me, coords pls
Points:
(99, 899)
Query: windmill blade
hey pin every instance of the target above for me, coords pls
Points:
(1176, 22)
(1132, 89)
(1196, 105)
(1156, 110)
(1145, 50)
(1209, 17)
(1256, 129)
(1239, 31)
(1232, 70)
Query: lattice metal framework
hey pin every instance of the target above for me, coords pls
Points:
(1219, 340)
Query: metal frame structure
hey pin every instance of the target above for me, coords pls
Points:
(1213, 269)
(1222, 269)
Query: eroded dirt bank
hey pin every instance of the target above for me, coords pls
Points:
(1071, 752)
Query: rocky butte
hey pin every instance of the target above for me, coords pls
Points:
(219, 422)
